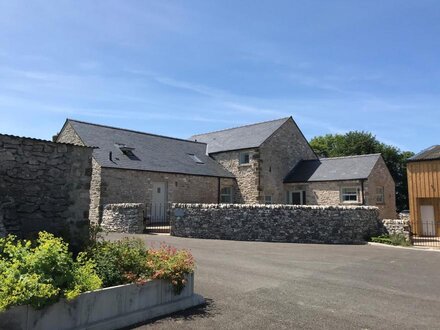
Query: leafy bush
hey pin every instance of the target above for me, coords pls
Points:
(393, 239)
(117, 262)
(170, 264)
(39, 275)
(128, 261)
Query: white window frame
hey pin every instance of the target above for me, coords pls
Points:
(380, 196)
(227, 195)
(301, 194)
(242, 157)
(358, 193)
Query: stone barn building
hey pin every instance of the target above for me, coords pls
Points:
(269, 162)
(273, 163)
(137, 167)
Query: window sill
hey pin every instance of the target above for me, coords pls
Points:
(351, 203)
(245, 165)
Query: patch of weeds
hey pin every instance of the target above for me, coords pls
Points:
(393, 239)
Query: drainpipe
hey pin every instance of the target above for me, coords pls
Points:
(218, 190)
(362, 192)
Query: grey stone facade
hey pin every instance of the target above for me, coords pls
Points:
(268, 166)
(275, 223)
(123, 218)
(380, 176)
(246, 189)
(278, 155)
(114, 185)
(45, 186)
(329, 192)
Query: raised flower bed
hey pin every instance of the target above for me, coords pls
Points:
(108, 308)
(108, 286)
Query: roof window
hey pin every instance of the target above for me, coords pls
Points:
(195, 158)
(127, 151)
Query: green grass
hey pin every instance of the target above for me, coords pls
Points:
(393, 239)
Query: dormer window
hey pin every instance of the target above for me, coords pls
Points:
(195, 159)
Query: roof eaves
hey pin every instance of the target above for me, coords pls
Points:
(231, 176)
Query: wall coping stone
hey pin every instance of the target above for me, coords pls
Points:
(116, 206)
(271, 206)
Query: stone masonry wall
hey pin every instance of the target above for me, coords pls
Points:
(68, 135)
(278, 156)
(247, 175)
(324, 193)
(130, 186)
(123, 218)
(2, 226)
(275, 223)
(396, 226)
(380, 176)
(45, 186)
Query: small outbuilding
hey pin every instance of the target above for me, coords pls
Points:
(424, 192)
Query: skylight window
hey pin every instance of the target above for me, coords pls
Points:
(195, 159)
(127, 151)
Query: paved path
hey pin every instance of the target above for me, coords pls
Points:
(301, 286)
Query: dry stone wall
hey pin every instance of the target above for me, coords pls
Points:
(123, 218)
(45, 186)
(275, 223)
(397, 226)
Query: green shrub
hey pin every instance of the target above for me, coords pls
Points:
(393, 239)
(117, 262)
(170, 264)
(129, 261)
(39, 275)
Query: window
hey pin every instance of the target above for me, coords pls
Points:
(244, 158)
(268, 199)
(195, 158)
(380, 195)
(129, 153)
(226, 195)
(350, 194)
(297, 197)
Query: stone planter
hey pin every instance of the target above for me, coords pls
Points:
(109, 308)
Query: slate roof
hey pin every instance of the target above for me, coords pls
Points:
(243, 137)
(430, 153)
(153, 152)
(333, 169)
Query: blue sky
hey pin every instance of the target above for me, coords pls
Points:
(184, 67)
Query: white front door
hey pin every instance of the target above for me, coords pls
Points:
(159, 202)
(428, 221)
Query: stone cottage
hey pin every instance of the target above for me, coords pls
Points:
(136, 167)
(273, 163)
(269, 162)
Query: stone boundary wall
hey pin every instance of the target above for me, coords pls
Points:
(123, 218)
(2, 226)
(397, 226)
(45, 186)
(275, 223)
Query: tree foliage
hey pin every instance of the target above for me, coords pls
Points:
(362, 143)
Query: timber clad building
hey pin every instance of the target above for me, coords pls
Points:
(424, 192)
(269, 162)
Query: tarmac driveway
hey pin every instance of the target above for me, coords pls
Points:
(304, 286)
